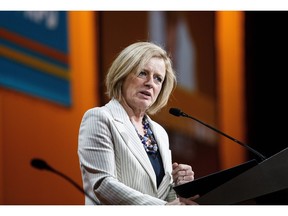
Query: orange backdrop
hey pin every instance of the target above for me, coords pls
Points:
(31, 127)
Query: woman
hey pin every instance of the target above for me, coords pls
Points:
(124, 155)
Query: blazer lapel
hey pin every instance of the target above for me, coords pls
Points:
(130, 136)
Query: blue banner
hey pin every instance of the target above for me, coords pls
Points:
(34, 54)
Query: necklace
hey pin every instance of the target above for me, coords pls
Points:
(148, 139)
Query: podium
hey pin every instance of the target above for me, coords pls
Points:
(240, 184)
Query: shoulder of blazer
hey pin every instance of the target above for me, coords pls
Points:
(116, 110)
(108, 111)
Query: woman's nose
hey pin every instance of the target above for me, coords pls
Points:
(149, 81)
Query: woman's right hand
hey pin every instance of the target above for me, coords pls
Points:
(184, 201)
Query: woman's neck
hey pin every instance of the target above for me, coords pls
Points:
(135, 115)
(138, 124)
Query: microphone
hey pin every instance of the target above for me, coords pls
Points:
(178, 112)
(42, 165)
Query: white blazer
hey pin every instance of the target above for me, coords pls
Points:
(115, 168)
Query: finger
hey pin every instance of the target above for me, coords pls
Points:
(188, 178)
(174, 165)
(179, 179)
(179, 176)
(182, 180)
(188, 201)
(189, 172)
(176, 168)
(184, 167)
(194, 197)
(178, 171)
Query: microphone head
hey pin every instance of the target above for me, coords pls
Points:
(40, 164)
(175, 111)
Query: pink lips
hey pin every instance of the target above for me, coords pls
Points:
(146, 93)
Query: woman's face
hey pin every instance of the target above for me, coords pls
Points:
(141, 90)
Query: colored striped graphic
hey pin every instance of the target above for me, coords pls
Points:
(33, 62)
(33, 58)
(33, 45)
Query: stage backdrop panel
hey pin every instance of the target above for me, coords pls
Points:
(34, 54)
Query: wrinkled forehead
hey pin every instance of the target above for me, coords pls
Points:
(144, 61)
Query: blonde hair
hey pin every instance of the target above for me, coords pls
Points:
(132, 59)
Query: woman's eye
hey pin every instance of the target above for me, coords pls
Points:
(159, 79)
(142, 73)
